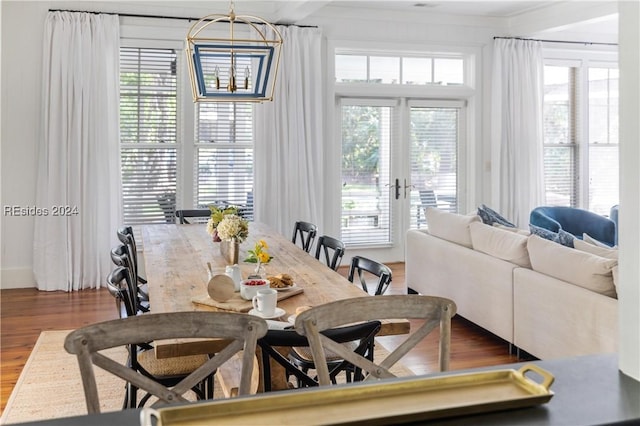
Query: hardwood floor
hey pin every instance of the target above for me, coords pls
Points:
(26, 312)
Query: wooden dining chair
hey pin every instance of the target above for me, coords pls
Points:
(435, 311)
(242, 330)
(306, 232)
(363, 266)
(332, 249)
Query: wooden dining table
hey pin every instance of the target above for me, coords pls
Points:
(176, 258)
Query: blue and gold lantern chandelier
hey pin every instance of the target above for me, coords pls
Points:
(232, 69)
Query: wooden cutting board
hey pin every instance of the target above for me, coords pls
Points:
(237, 303)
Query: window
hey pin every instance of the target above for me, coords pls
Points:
(393, 69)
(152, 148)
(581, 136)
(148, 134)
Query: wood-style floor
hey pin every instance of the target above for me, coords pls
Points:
(27, 312)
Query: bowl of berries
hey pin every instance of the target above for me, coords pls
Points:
(250, 287)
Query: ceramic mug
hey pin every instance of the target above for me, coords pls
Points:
(265, 301)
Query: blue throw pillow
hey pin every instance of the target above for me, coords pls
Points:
(562, 237)
(489, 217)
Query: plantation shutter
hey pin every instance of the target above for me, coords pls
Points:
(148, 134)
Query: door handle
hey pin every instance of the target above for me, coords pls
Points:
(407, 186)
(396, 187)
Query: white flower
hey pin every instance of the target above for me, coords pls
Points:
(210, 227)
(233, 227)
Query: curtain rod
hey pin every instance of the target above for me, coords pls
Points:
(559, 41)
(134, 15)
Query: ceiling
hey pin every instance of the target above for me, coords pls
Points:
(586, 17)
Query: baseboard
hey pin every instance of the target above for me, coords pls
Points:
(17, 278)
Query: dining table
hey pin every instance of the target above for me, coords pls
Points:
(180, 258)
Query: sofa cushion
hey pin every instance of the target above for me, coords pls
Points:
(589, 239)
(505, 245)
(560, 237)
(450, 226)
(489, 217)
(512, 229)
(602, 251)
(574, 266)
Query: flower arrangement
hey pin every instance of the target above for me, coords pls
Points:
(233, 228)
(259, 254)
(217, 214)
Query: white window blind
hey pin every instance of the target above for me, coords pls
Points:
(224, 155)
(148, 134)
(560, 128)
(434, 160)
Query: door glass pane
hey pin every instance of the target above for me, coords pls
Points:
(434, 160)
(366, 136)
(603, 140)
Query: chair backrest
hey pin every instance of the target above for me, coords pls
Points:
(120, 285)
(435, 311)
(574, 221)
(361, 265)
(242, 330)
(428, 198)
(125, 235)
(307, 233)
(333, 250)
(364, 333)
(198, 214)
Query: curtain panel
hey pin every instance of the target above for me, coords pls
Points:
(289, 136)
(517, 128)
(79, 158)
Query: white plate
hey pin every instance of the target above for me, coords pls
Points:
(277, 314)
(285, 288)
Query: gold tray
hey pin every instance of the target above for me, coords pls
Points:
(370, 403)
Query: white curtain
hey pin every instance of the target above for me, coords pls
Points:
(289, 137)
(517, 128)
(79, 160)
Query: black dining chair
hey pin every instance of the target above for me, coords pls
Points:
(359, 338)
(363, 266)
(121, 256)
(333, 250)
(306, 232)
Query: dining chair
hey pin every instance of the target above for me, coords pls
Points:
(168, 371)
(357, 338)
(363, 267)
(242, 330)
(126, 236)
(200, 215)
(436, 312)
(333, 250)
(306, 231)
(121, 256)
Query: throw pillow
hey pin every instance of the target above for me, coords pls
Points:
(588, 238)
(561, 237)
(511, 229)
(489, 217)
(583, 269)
(450, 226)
(505, 245)
(606, 252)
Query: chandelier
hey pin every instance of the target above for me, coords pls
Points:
(232, 69)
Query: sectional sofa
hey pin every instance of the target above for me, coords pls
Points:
(549, 300)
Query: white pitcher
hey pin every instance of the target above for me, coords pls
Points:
(233, 271)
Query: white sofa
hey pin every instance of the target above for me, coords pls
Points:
(504, 282)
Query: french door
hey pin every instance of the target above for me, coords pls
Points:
(399, 156)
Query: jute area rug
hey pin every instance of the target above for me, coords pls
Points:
(50, 385)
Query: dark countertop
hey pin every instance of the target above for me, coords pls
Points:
(588, 390)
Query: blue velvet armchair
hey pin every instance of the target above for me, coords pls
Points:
(575, 221)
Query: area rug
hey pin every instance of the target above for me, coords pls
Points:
(50, 385)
